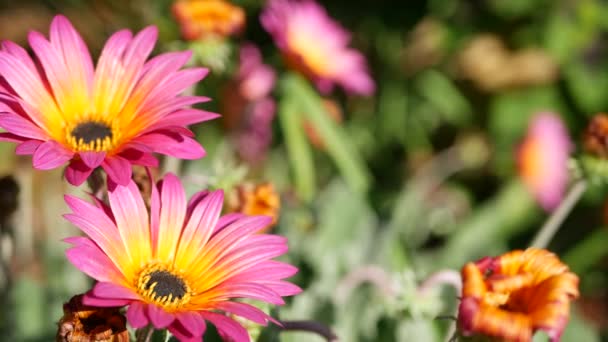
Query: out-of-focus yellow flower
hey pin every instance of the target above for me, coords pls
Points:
(203, 18)
(492, 67)
(83, 323)
(511, 296)
(253, 200)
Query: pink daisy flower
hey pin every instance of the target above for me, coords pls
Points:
(316, 45)
(543, 159)
(61, 109)
(180, 266)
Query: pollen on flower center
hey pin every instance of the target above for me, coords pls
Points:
(91, 135)
(163, 287)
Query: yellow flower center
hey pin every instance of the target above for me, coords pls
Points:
(163, 286)
(90, 135)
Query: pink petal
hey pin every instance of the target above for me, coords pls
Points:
(118, 169)
(136, 315)
(246, 311)
(90, 259)
(77, 172)
(200, 226)
(10, 137)
(245, 290)
(97, 225)
(159, 317)
(227, 326)
(194, 321)
(131, 218)
(227, 220)
(90, 299)
(92, 159)
(172, 144)
(183, 333)
(74, 51)
(50, 155)
(20, 126)
(113, 291)
(138, 157)
(172, 215)
(27, 147)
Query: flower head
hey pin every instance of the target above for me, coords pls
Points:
(252, 199)
(181, 265)
(543, 159)
(513, 295)
(595, 139)
(204, 18)
(112, 116)
(87, 324)
(316, 45)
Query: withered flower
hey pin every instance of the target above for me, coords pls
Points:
(513, 295)
(252, 199)
(595, 138)
(204, 18)
(83, 323)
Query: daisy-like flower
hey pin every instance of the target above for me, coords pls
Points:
(316, 45)
(113, 115)
(181, 265)
(204, 18)
(511, 296)
(543, 159)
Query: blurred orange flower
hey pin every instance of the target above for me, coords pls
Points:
(254, 200)
(511, 296)
(203, 18)
(595, 139)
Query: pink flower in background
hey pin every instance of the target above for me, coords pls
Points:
(543, 159)
(182, 265)
(250, 110)
(316, 45)
(114, 115)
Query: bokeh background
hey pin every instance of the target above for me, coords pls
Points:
(377, 192)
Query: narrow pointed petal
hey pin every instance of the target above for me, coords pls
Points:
(227, 326)
(172, 215)
(136, 315)
(194, 321)
(113, 291)
(118, 169)
(77, 172)
(27, 147)
(131, 218)
(159, 317)
(50, 155)
(92, 159)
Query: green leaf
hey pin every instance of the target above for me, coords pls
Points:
(445, 97)
(298, 148)
(347, 159)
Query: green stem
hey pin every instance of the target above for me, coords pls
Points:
(551, 226)
(144, 334)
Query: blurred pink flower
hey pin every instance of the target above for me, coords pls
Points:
(59, 108)
(182, 264)
(250, 110)
(543, 159)
(316, 45)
